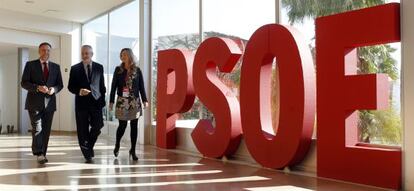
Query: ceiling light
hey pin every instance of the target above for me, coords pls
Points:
(51, 11)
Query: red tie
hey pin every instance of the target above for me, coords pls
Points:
(45, 71)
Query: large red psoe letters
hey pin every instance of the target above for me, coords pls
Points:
(224, 139)
(340, 93)
(297, 96)
(175, 92)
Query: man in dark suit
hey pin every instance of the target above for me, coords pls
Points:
(86, 81)
(43, 80)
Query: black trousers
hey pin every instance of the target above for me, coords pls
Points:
(41, 122)
(87, 137)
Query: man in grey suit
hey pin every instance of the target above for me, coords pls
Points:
(43, 80)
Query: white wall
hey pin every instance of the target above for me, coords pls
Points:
(25, 30)
(27, 39)
(9, 90)
(34, 23)
(55, 56)
(69, 56)
(407, 40)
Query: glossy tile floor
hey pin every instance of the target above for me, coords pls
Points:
(156, 170)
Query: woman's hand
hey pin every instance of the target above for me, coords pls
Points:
(145, 105)
(111, 106)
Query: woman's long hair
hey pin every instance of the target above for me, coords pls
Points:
(131, 57)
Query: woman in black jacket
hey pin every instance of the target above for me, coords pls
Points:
(128, 83)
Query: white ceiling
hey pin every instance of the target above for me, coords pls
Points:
(70, 10)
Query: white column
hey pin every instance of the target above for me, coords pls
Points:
(278, 11)
(23, 122)
(145, 64)
(69, 55)
(407, 25)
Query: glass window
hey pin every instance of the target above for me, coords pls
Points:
(109, 37)
(124, 33)
(237, 20)
(175, 24)
(375, 127)
(95, 33)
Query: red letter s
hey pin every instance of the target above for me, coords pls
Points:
(224, 139)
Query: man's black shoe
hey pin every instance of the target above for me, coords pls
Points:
(41, 159)
(88, 160)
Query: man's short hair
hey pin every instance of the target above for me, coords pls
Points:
(87, 46)
(45, 43)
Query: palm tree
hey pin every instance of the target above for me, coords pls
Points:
(300, 9)
(383, 127)
(191, 42)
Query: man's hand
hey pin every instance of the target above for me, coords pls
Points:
(42, 89)
(145, 105)
(51, 91)
(111, 105)
(84, 92)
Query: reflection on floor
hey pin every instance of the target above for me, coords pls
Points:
(156, 170)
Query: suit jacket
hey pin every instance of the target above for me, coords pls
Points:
(33, 77)
(78, 80)
(118, 83)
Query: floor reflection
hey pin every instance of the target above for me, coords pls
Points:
(155, 170)
(149, 174)
(279, 188)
